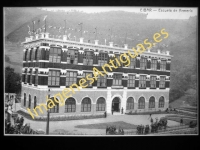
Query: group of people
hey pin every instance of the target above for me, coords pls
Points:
(113, 130)
(141, 129)
(153, 127)
(18, 127)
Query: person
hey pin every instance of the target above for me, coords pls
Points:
(112, 111)
(181, 121)
(151, 120)
(122, 110)
(105, 114)
(122, 132)
(107, 129)
(156, 119)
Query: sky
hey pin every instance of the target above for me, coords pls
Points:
(153, 12)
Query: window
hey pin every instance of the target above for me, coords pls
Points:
(102, 81)
(88, 58)
(131, 80)
(152, 102)
(54, 109)
(142, 81)
(154, 64)
(130, 103)
(101, 104)
(162, 82)
(133, 63)
(141, 103)
(54, 78)
(161, 102)
(153, 82)
(35, 102)
(163, 65)
(71, 78)
(117, 56)
(29, 102)
(55, 55)
(72, 56)
(88, 82)
(24, 99)
(36, 76)
(143, 63)
(86, 105)
(102, 59)
(26, 76)
(117, 79)
(70, 105)
(31, 76)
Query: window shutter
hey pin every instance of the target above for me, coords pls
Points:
(47, 54)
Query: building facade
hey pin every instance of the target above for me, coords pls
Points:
(50, 65)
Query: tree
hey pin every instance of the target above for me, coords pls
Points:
(12, 81)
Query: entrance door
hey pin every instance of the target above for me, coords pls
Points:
(116, 104)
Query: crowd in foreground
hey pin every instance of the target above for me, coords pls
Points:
(113, 130)
(18, 127)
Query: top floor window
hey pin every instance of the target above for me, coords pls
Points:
(88, 58)
(72, 56)
(117, 79)
(154, 64)
(163, 65)
(102, 59)
(143, 63)
(55, 55)
(133, 62)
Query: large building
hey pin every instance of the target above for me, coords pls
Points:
(50, 65)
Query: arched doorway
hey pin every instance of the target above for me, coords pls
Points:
(116, 104)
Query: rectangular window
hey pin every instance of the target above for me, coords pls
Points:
(55, 55)
(36, 76)
(154, 64)
(117, 79)
(72, 56)
(26, 76)
(102, 59)
(102, 81)
(88, 58)
(143, 63)
(162, 82)
(133, 63)
(163, 65)
(142, 81)
(31, 76)
(89, 74)
(71, 78)
(54, 78)
(131, 80)
(153, 81)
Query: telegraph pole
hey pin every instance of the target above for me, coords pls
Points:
(47, 127)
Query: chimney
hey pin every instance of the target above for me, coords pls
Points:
(31, 38)
(81, 40)
(158, 51)
(125, 46)
(64, 37)
(46, 35)
(96, 42)
(148, 50)
(42, 35)
(27, 39)
(36, 36)
(167, 52)
(111, 44)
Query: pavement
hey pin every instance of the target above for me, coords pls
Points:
(69, 126)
